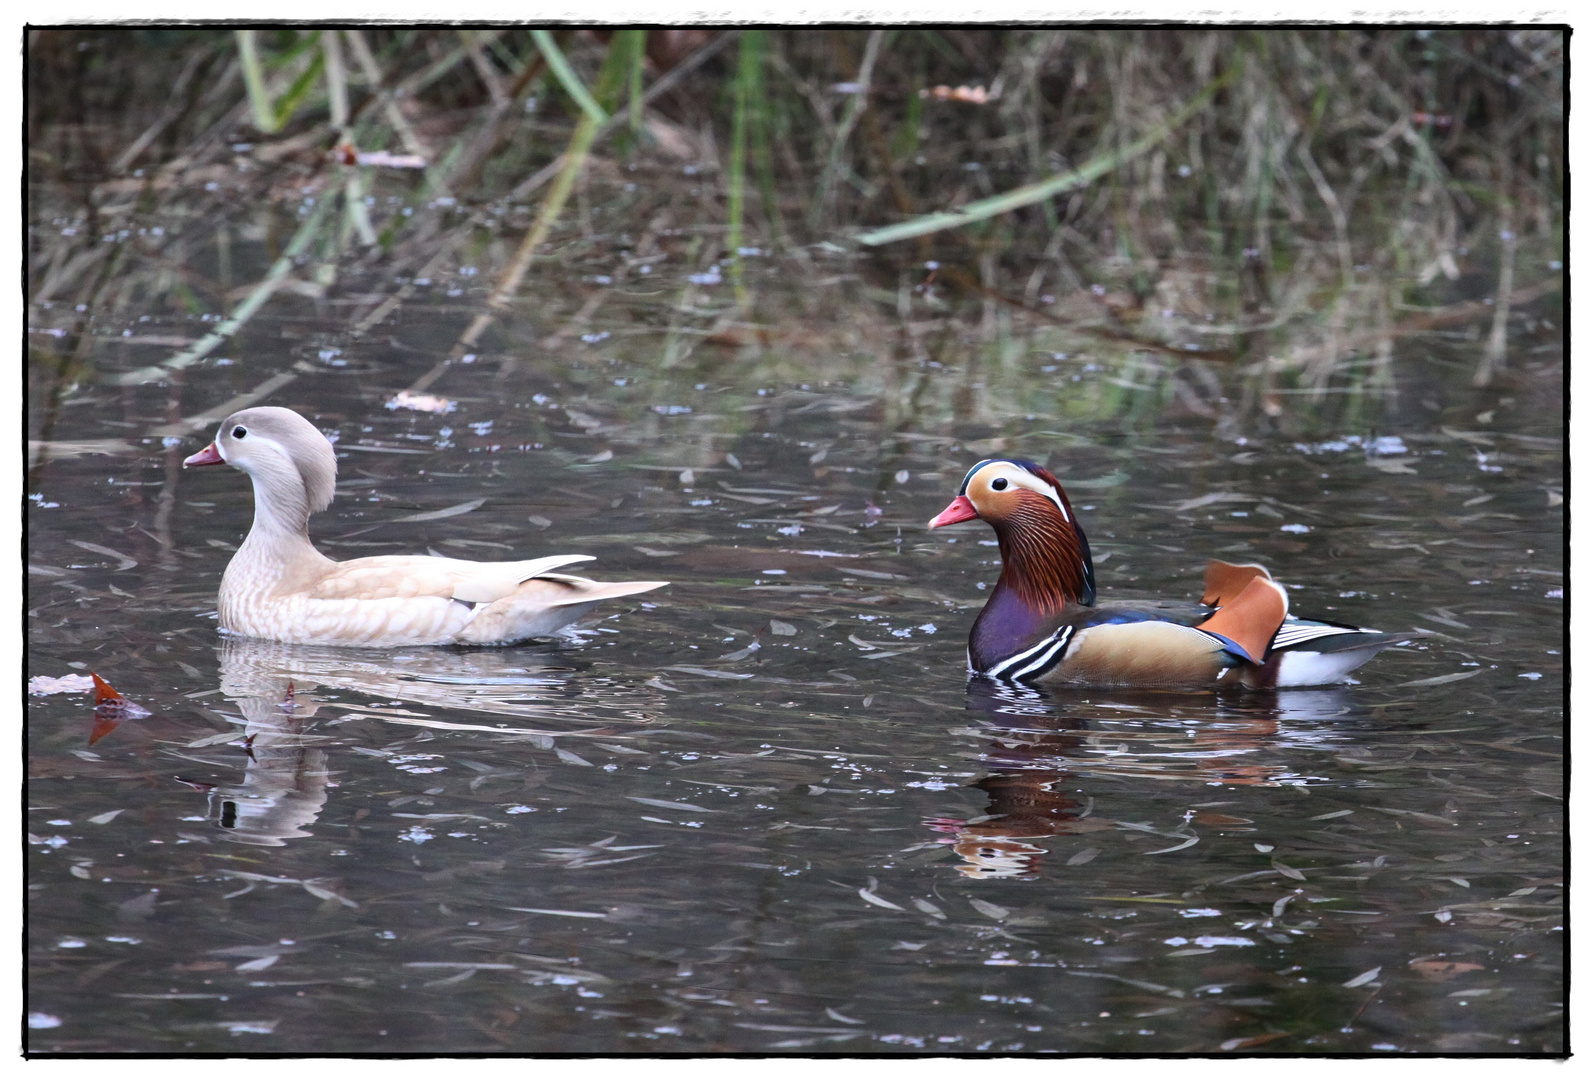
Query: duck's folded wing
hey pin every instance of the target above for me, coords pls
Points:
(382, 577)
(487, 582)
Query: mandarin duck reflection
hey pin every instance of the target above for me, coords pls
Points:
(1042, 625)
(279, 587)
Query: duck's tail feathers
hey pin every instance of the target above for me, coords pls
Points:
(586, 591)
(1313, 654)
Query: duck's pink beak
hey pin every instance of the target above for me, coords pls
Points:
(959, 510)
(208, 456)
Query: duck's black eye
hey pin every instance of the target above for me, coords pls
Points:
(239, 432)
(999, 484)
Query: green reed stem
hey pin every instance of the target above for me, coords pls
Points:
(568, 78)
(254, 79)
(622, 53)
(748, 95)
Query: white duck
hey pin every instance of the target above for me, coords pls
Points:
(279, 587)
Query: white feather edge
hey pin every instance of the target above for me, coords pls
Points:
(494, 581)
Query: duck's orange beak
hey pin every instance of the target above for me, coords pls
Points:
(959, 510)
(208, 456)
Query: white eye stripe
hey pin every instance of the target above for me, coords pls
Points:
(1022, 478)
(1034, 483)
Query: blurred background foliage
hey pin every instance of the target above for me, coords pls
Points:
(1248, 220)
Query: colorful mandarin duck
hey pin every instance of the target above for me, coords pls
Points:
(1041, 624)
(280, 588)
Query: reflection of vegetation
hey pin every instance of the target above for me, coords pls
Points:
(1200, 214)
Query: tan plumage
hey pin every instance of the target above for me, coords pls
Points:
(1042, 625)
(278, 586)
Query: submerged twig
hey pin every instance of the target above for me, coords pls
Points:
(843, 132)
(1493, 356)
(1056, 185)
(243, 312)
(175, 107)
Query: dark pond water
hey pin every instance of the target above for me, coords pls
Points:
(764, 810)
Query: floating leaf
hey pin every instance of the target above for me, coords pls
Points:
(42, 685)
(566, 914)
(876, 574)
(1253, 1040)
(111, 709)
(1363, 978)
(127, 561)
(1210, 500)
(141, 906)
(1439, 680)
(877, 900)
(1079, 858)
(989, 910)
(1287, 871)
(666, 805)
(710, 672)
(1193, 840)
(322, 892)
(1393, 465)
(421, 402)
(781, 629)
(448, 512)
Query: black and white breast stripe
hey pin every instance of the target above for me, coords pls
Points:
(1035, 660)
(1295, 633)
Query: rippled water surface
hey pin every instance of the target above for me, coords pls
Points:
(763, 809)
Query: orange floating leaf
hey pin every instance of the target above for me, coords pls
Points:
(111, 709)
(104, 691)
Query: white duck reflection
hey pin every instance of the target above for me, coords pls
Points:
(288, 699)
